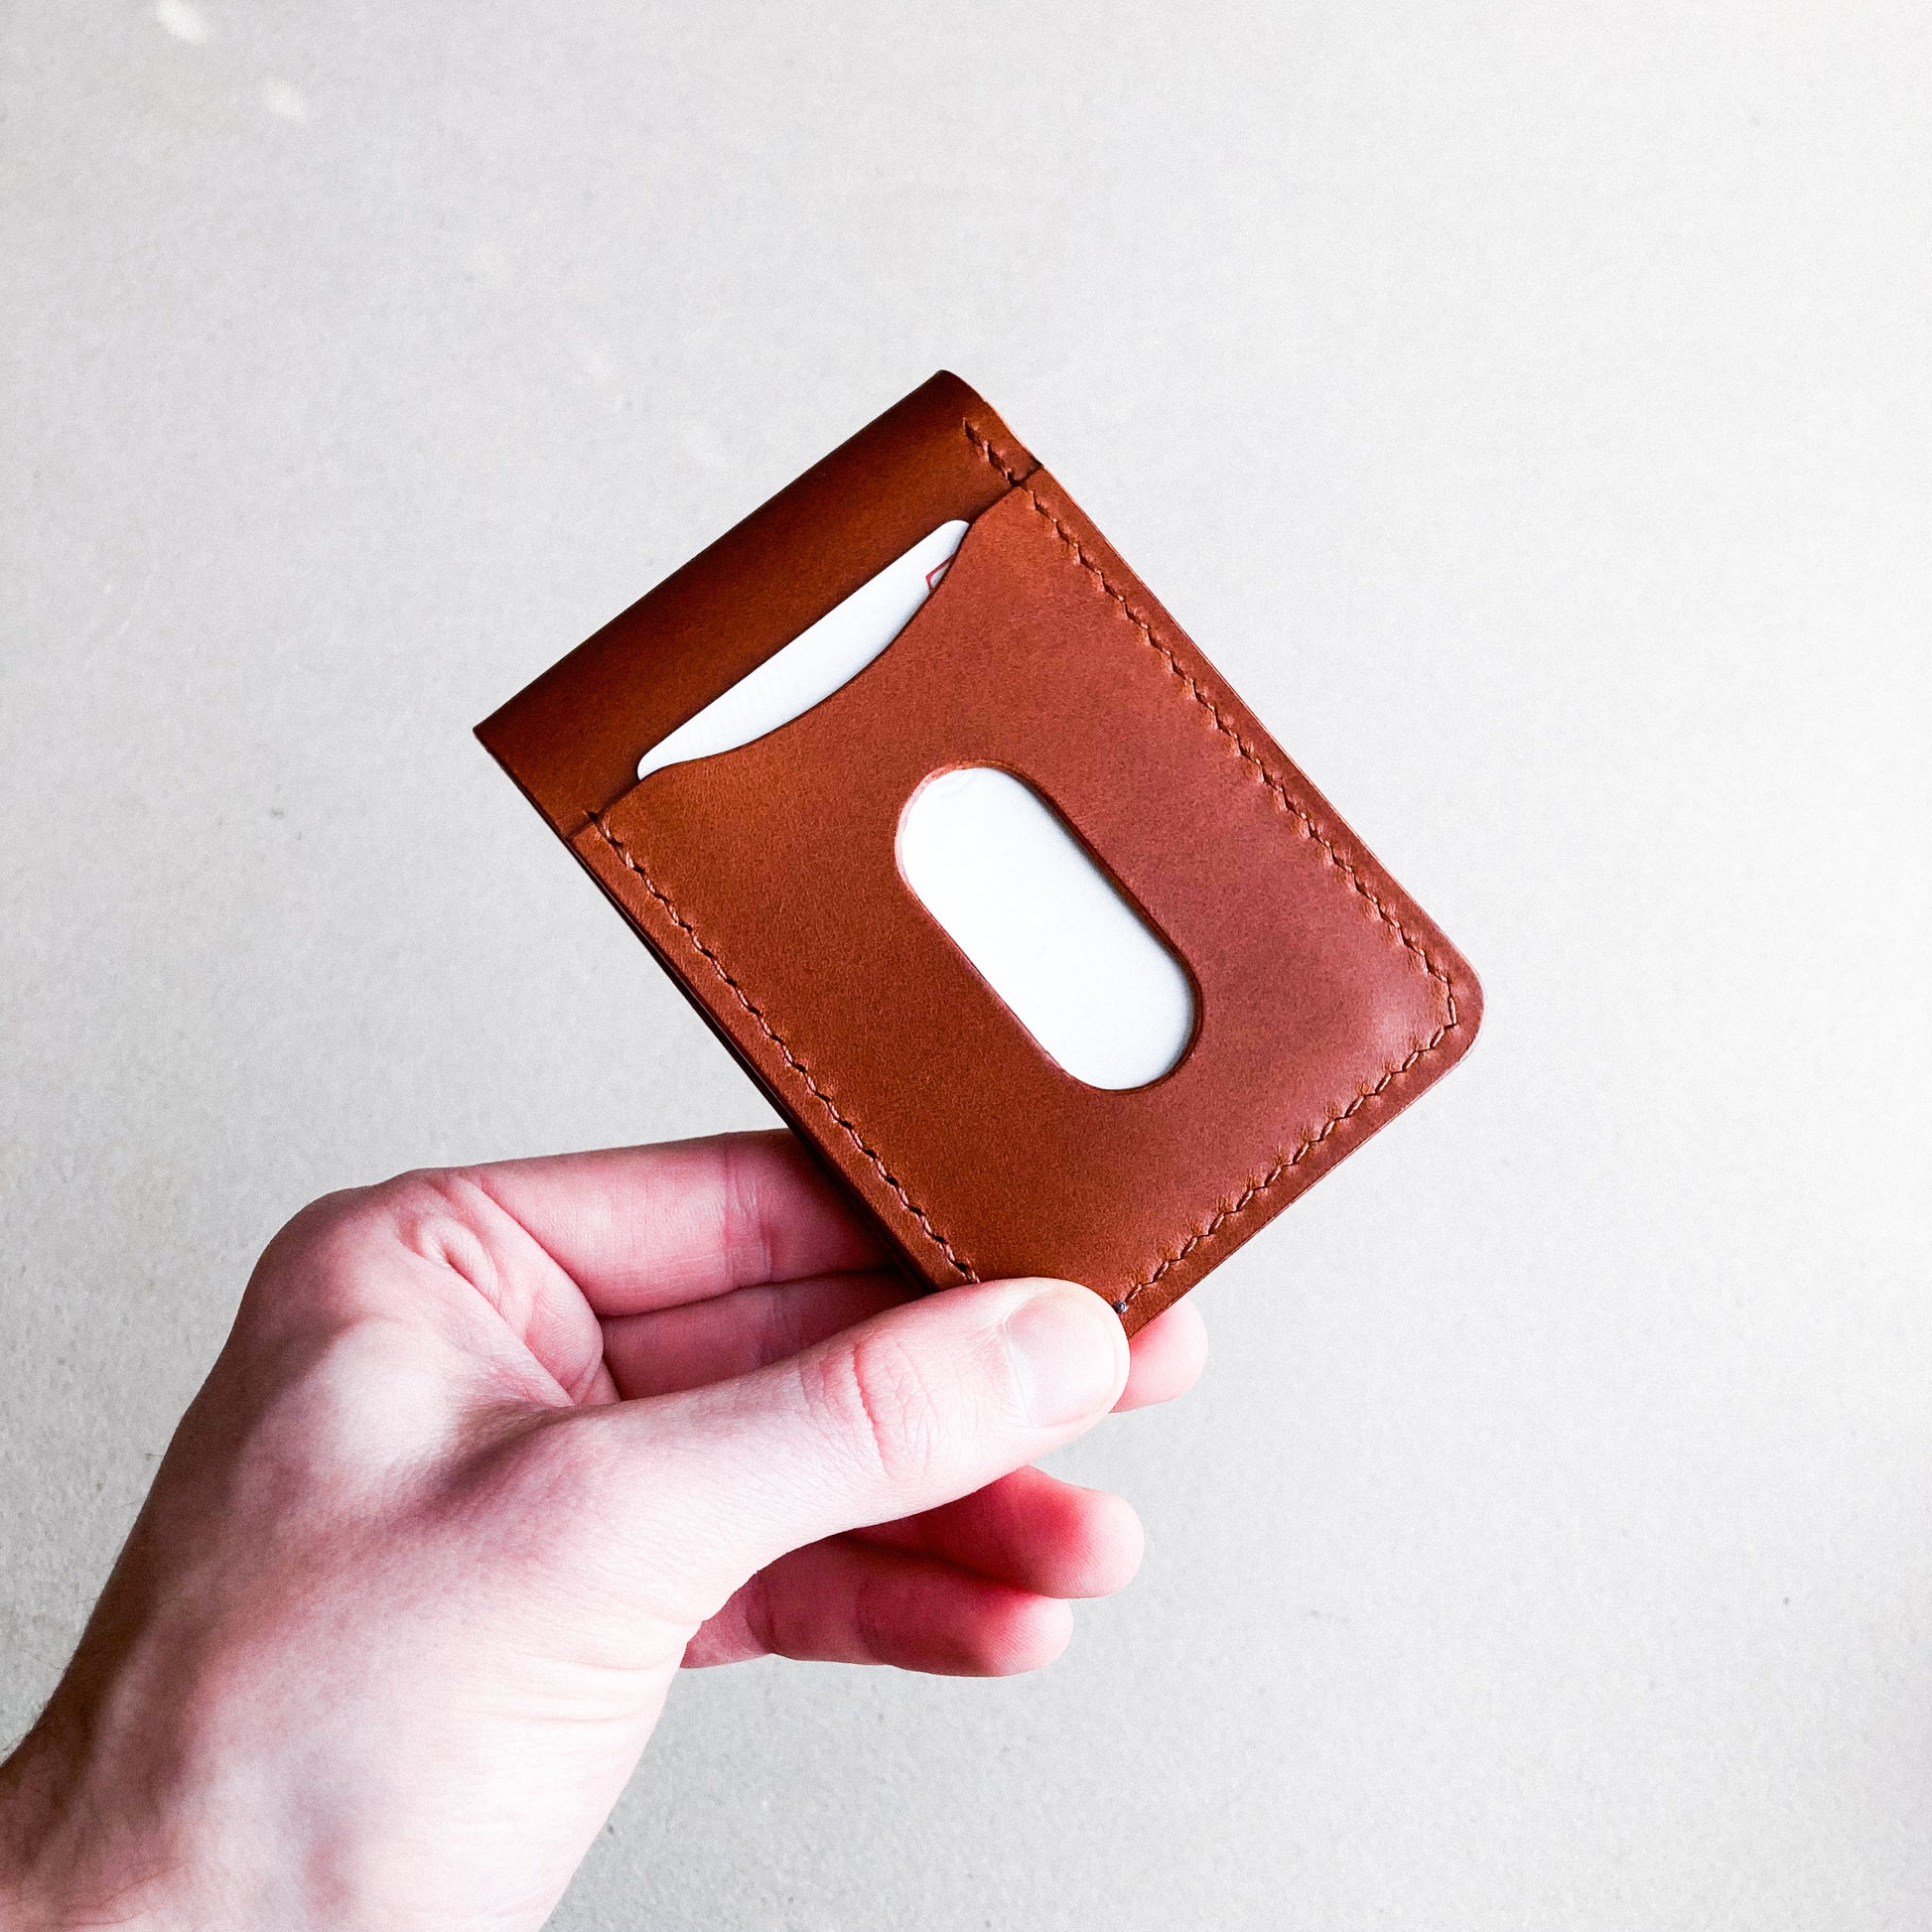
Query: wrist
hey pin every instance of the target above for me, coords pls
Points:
(73, 1852)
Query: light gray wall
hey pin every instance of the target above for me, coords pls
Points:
(1527, 407)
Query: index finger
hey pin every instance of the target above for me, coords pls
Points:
(638, 1228)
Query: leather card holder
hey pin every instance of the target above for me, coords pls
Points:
(765, 881)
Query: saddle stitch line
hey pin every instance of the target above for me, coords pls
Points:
(1310, 829)
(791, 1059)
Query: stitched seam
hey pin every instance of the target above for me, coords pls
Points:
(791, 1059)
(1283, 1163)
(1351, 878)
(986, 449)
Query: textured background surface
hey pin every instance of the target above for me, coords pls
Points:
(1550, 1543)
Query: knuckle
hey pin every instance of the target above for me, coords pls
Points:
(316, 1226)
(743, 1231)
(426, 1210)
(298, 1274)
(431, 1209)
(883, 1402)
(448, 1217)
(322, 1264)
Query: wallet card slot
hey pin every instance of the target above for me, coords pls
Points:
(825, 655)
(572, 740)
(951, 585)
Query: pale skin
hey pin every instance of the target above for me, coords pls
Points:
(489, 1456)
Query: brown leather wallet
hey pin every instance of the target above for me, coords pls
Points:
(765, 881)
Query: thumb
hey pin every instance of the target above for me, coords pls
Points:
(921, 1405)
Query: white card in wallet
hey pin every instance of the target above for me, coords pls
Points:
(817, 661)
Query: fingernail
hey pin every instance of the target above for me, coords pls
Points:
(1066, 1349)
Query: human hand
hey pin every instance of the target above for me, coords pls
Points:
(486, 1456)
